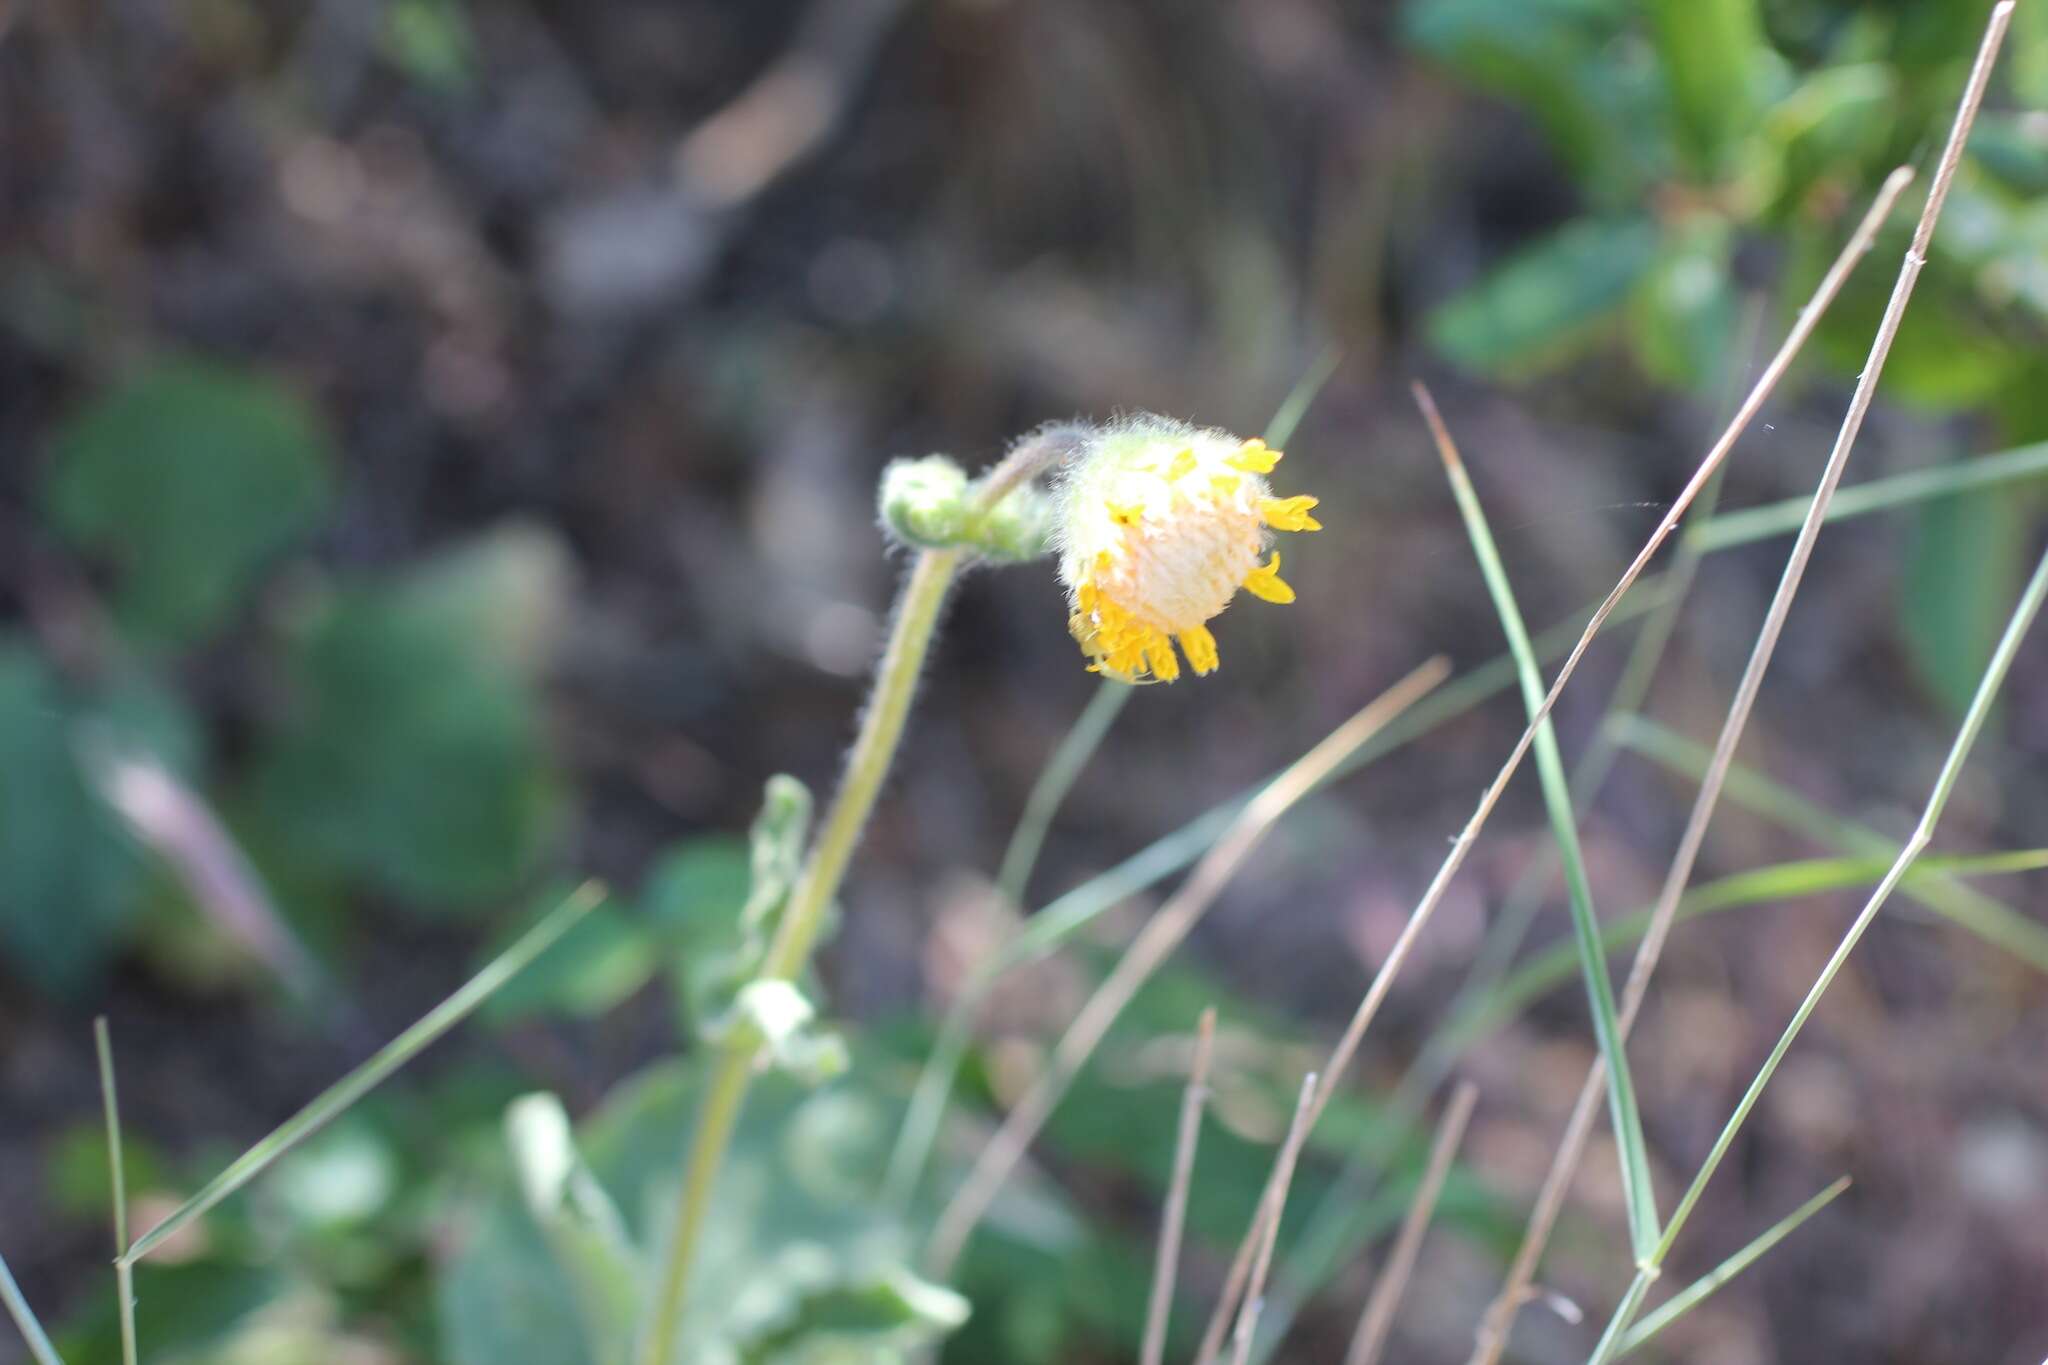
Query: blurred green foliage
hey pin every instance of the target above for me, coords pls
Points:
(1704, 131)
(70, 880)
(401, 750)
(412, 758)
(188, 479)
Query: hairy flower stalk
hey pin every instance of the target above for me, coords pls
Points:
(1158, 525)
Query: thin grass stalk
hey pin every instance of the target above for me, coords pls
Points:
(1432, 896)
(1990, 919)
(25, 1319)
(1696, 1293)
(1159, 1306)
(1923, 833)
(1637, 1191)
(1163, 933)
(1778, 882)
(1751, 524)
(1568, 1153)
(1973, 723)
(117, 1184)
(338, 1097)
(1283, 1178)
(1049, 792)
(1499, 1318)
(1378, 1318)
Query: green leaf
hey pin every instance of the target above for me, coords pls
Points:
(1712, 53)
(798, 1264)
(1545, 300)
(1832, 127)
(581, 1224)
(71, 880)
(2027, 55)
(1563, 62)
(2014, 149)
(188, 480)
(722, 915)
(1683, 312)
(1967, 556)
(413, 757)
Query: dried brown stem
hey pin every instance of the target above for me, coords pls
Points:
(1378, 1317)
(1173, 1219)
(1283, 1176)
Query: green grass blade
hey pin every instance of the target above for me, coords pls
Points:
(1988, 688)
(1551, 969)
(1969, 909)
(1695, 1293)
(124, 1274)
(1301, 397)
(1049, 792)
(1730, 529)
(393, 1055)
(24, 1318)
(1628, 1124)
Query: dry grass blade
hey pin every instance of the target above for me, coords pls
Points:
(1432, 896)
(1500, 1316)
(1160, 936)
(1283, 1176)
(1173, 1219)
(1378, 1318)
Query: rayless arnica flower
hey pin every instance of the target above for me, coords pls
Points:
(1156, 524)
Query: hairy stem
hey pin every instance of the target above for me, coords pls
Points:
(796, 934)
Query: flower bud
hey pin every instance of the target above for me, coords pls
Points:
(925, 501)
(930, 503)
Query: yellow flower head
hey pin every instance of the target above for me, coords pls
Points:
(1160, 523)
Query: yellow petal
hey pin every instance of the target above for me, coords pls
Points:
(1289, 514)
(1183, 463)
(1159, 653)
(1224, 485)
(1124, 513)
(1200, 647)
(1265, 583)
(1254, 457)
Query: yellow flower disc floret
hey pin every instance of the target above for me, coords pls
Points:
(1160, 523)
